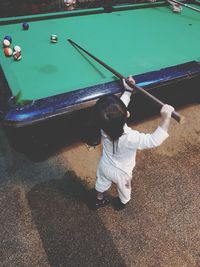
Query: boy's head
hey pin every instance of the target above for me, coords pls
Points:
(111, 114)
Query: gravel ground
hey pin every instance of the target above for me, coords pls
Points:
(45, 220)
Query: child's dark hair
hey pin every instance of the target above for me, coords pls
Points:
(111, 115)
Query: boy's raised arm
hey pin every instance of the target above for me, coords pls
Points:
(126, 96)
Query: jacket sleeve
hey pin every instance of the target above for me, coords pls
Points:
(126, 97)
(143, 141)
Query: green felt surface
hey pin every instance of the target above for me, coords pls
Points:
(133, 42)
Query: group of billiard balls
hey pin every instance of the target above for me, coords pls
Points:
(8, 51)
(16, 51)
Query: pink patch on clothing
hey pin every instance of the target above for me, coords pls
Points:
(127, 184)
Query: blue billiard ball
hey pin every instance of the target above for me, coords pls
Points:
(25, 26)
(9, 38)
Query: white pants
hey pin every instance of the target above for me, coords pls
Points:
(108, 174)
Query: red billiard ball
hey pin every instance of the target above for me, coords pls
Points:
(8, 51)
(17, 55)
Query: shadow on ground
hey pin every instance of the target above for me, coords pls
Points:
(159, 227)
(48, 138)
(72, 235)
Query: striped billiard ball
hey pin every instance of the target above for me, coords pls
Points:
(54, 38)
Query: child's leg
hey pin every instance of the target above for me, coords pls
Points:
(99, 195)
(124, 190)
(101, 186)
(101, 200)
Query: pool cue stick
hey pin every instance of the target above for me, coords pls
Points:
(185, 5)
(155, 100)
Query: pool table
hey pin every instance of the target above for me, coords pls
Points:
(146, 40)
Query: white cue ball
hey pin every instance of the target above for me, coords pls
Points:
(17, 48)
(6, 43)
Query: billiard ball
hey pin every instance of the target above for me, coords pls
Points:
(9, 38)
(8, 51)
(17, 55)
(176, 8)
(54, 38)
(25, 26)
(6, 43)
(17, 48)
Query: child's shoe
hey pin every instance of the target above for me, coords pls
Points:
(118, 205)
(101, 202)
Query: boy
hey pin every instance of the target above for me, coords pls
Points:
(120, 144)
